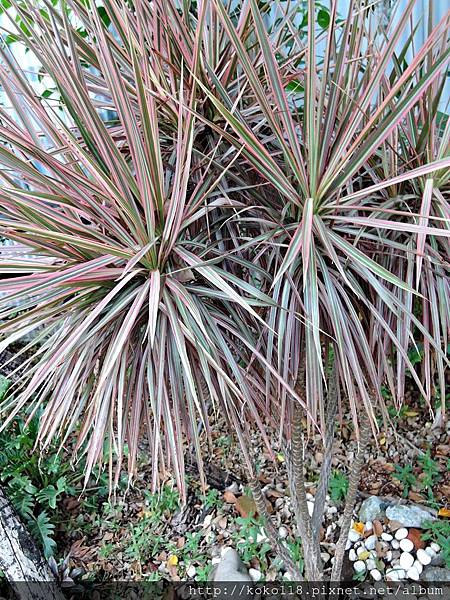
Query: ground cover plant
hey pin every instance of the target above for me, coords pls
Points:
(210, 210)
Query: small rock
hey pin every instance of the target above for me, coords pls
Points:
(406, 545)
(401, 533)
(395, 544)
(440, 574)
(435, 547)
(353, 535)
(413, 573)
(325, 557)
(261, 537)
(255, 574)
(233, 488)
(310, 507)
(348, 543)
(359, 566)
(406, 560)
(423, 557)
(362, 553)
(368, 526)
(372, 508)
(387, 537)
(352, 555)
(370, 542)
(375, 574)
(231, 568)
(429, 550)
(409, 516)
(419, 566)
(389, 555)
(371, 564)
(191, 571)
(283, 532)
(392, 574)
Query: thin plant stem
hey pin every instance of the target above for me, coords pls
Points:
(355, 475)
(271, 531)
(325, 471)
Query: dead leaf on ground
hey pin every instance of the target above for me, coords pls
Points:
(245, 506)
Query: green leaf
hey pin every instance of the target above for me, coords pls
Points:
(45, 531)
(4, 385)
(295, 87)
(4, 5)
(323, 18)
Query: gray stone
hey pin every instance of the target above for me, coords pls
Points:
(436, 574)
(409, 515)
(231, 568)
(372, 508)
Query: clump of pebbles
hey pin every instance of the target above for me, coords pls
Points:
(389, 551)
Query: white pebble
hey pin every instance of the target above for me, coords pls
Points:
(332, 510)
(435, 547)
(413, 574)
(419, 566)
(429, 550)
(283, 532)
(389, 555)
(310, 507)
(325, 557)
(255, 574)
(406, 545)
(392, 575)
(395, 544)
(406, 560)
(348, 544)
(423, 557)
(368, 526)
(370, 542)
(309, 496)
(371, 564)
(360, 550)
(191, 572)
(359, 566)
(352, 555)
(401, 533)
(387, 537)
(375, 574)
(353, 535)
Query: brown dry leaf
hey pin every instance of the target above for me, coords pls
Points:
(394, 525)
(245, 506)
(229, 497)
(444, 512)
(416, 497)
(180, 542)
(445, 489)
(80, 552)
(415, 535)
(377, 528)
(443, 450)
